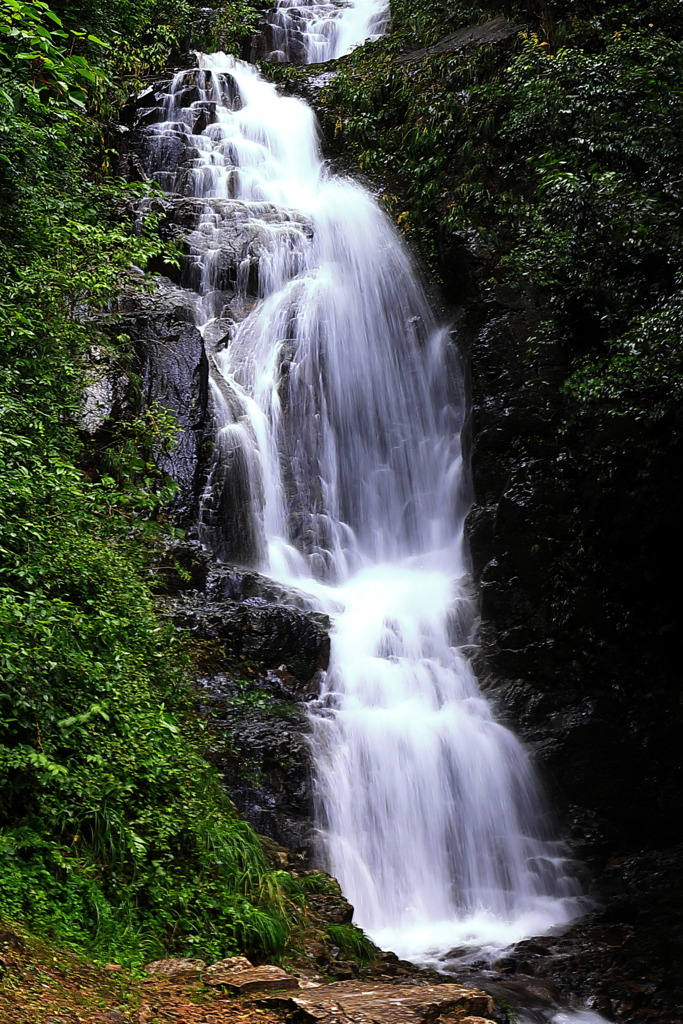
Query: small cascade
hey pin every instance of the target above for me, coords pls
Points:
(433, 817)
(337, 470)
(312, 32)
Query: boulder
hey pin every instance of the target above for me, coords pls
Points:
(250, 979)
(104, 393)
(232, 963)
(287, 641)
(499, 30)
(177, 969)
(334, 909)
(174, 373)
(372, 1003)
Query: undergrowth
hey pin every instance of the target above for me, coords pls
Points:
(353, 942)
(115, 833)
(550, 162)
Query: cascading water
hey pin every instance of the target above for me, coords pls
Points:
(337, 469)
(310, 32)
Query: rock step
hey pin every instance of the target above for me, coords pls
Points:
(340, 1002)
(367, 1003)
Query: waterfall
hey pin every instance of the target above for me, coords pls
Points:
(312, 32)
(337, 470)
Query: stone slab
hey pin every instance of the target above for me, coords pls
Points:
(495, 31)
(368, 1003)
(177, 969)
(251, 979)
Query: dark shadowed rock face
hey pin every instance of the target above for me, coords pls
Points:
(596, 699)
(174, 371)
(259, 650)
(592, 690)
(166, 367)
(498, 30)
(621, 960)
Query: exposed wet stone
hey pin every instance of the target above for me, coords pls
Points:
(623, 959)
(497, 31)
(290, 643)
(263, 754)
(387, 1004)
(251, 979)
(334, 909)
(260, 652)
(175, 374)
(181, 971)
(105, 395)
(241, 229)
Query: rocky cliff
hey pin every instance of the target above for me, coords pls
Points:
(573, 563)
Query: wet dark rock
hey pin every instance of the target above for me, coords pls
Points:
(106, 393)
(239, 235)
(286, 643)
(262, 753)
(174, 371)
(622, 960)
(334, 909)
(205, 115)
(267, 43)
(150, 115)
(225, 582)
(176, 566)
(497, 31)
(260, 651)
(379, 1003)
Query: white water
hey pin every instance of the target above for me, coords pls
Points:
(338, 439)
(312, 32)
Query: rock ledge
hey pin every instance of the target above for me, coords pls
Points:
(366, 1003)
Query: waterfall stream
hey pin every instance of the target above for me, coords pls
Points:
(337, 470)
(312, 32)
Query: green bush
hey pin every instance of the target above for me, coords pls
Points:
(114, 831)
(353, 942)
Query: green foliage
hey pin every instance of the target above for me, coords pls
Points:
(319, 883)
(250, 696)
(567, 164)
(353, 942)
(49, 48)
(114, 830)
(427, 21)
(34, 40)
(541, 178)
